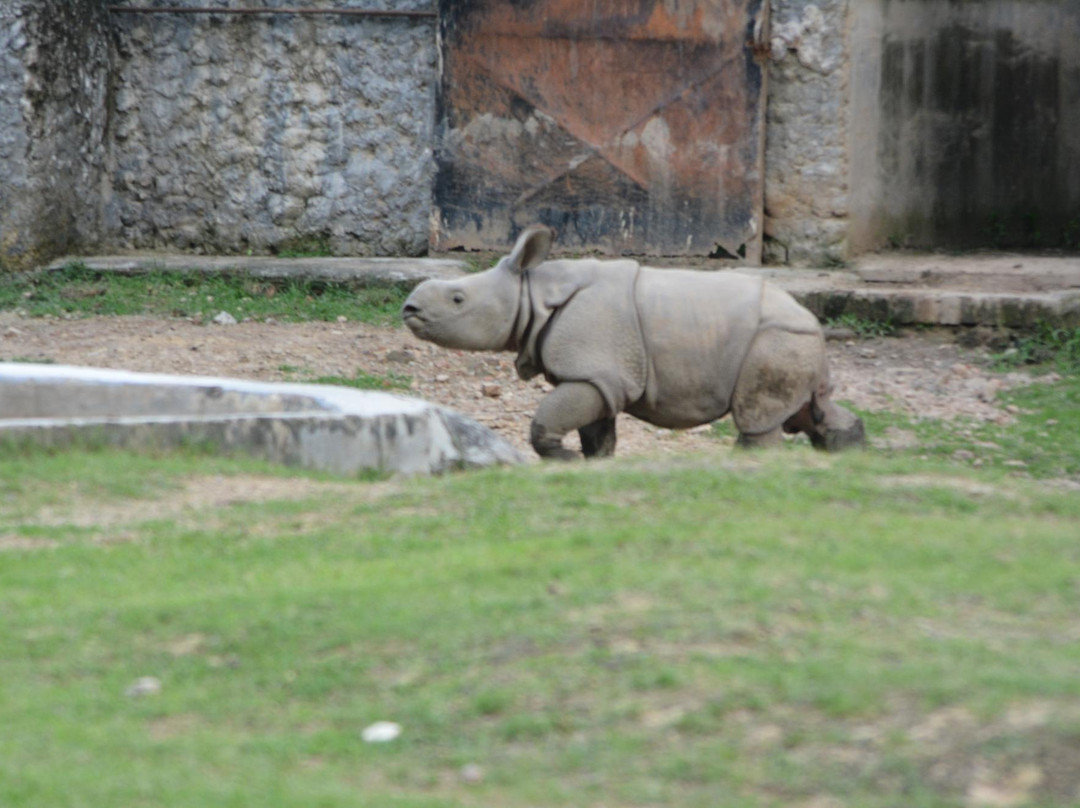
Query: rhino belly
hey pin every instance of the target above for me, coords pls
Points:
(697, 329)
(679, 414)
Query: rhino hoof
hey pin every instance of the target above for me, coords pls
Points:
(841, 429)
(836, 440)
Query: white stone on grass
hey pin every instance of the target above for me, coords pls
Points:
(381, 732)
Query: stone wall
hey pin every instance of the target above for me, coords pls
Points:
(13, 136)
(54, 82)
(806, 133)
(929, 123)
(236, 133)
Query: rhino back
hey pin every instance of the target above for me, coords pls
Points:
(697, 328)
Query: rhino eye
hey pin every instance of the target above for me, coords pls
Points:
(458, 298)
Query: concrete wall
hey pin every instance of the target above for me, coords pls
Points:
(965, 123)
(54, 82)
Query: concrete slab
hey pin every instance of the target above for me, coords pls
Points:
(322, 427)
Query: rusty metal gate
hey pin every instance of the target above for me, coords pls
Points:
(630, 126)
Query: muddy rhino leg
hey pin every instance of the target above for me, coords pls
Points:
(836, 427)
(598, 438)
(571, 405)
(780, 370)
(762, 440)
(829, 426)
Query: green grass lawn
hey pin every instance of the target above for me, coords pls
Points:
(736, 630)
(896, 627)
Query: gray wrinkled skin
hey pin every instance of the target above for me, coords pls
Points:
(676, 348)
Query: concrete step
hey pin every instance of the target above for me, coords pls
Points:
(993, 290)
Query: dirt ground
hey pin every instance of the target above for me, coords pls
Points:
(925, 374)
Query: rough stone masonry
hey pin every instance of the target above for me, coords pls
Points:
(235, 133)
(229, 134)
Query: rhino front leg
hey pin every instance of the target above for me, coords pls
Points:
(571, 405)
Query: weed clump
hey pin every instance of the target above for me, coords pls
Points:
(1048, 345)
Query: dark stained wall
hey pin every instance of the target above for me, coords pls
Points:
(966, 129)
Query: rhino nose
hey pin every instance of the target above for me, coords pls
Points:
(409, 309)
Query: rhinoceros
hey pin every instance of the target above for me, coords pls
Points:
(676, 348)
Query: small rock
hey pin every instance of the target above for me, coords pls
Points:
(381, 732)
(963, 454)
(1013, 409)
(1016, 464)
(401, 357)
(472, 773)
(12, 332)
(342, 318)
(491, 389)
(144, 686)
(442, 378)
(224, 318)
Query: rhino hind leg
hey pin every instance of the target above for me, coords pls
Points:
(762, 440)
(829, 426)
(836, 427)
(779, 372)
(570, 406)
(598, 438)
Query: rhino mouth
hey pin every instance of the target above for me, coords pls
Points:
(412, 316)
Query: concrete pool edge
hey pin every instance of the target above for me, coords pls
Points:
(321, 427)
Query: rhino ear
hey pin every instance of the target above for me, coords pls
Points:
(531, 249)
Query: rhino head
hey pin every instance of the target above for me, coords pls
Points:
(478, 312)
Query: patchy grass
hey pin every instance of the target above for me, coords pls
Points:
(360, 379)
(1048, 345)
(81, 292)
(1042, 441)
(780, 628)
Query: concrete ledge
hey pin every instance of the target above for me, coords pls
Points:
(321, 427)
(356, 271)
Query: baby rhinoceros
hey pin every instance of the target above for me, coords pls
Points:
(676, 348)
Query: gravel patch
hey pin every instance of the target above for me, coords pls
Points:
(919, 374)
